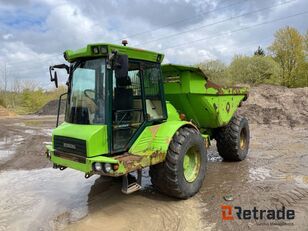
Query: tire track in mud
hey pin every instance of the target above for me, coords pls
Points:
(275, 174)
(292, 198)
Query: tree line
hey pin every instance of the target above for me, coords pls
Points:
(284, 62)
(26, 97)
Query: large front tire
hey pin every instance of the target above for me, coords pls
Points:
(183, 172)
(233, 139)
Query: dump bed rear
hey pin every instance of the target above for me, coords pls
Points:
(205, 103)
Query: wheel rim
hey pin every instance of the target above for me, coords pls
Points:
(243, 139)
(191, 164)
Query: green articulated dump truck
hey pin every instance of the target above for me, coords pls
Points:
(125, 111)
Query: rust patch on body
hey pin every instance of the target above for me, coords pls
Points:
(210, 84)
(129, 161)
(154, 130)
(157, 155)
(168, 140)
(126, 157)
(225, 90)
(133, 162)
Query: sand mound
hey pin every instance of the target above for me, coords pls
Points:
(51, 108)
(269, 104)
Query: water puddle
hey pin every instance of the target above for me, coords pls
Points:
(259, 174)
(41, 132)
(8, 146)
(30, 199)
(49, 199)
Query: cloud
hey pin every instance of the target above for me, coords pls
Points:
(7, 36)
(34, 33)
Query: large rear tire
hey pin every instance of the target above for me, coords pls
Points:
(233, 139)
(183, 172)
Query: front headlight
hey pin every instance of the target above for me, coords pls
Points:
(97, 167)
(107, 167)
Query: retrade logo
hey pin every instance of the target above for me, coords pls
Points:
(229, 212)
(226, 212)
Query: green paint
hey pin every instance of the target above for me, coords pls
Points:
(188, 89)
(173, 115)
(156, 138)
(95, 136)
(133, 53)
(191, 165)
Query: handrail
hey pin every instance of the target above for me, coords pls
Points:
(59, 105)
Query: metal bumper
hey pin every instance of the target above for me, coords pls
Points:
(124, 163)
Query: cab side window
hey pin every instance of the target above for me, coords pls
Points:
(152, 91)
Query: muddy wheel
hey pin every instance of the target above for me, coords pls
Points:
(233, 139)
(182, 173)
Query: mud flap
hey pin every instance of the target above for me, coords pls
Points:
(128, 188)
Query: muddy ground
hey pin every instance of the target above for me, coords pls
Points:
(36, 197)
(33, 196)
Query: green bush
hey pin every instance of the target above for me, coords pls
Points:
(29, 100)
(254, 70)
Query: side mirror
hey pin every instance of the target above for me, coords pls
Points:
(121, 66)
(54, 77)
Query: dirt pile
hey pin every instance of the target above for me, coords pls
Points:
(51, 108)
(269, 104)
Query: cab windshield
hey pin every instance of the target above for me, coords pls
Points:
(86, 98)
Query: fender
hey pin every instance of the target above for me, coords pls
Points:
(156, 138)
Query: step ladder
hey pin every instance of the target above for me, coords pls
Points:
(128, 188)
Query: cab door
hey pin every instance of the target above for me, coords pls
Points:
(128, 110)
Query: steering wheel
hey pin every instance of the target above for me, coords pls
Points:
(85, 92)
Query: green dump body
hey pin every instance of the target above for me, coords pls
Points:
(207, 104)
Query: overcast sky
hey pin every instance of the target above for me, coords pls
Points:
(34, 33)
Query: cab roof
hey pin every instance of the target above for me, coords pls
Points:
(90, 51)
